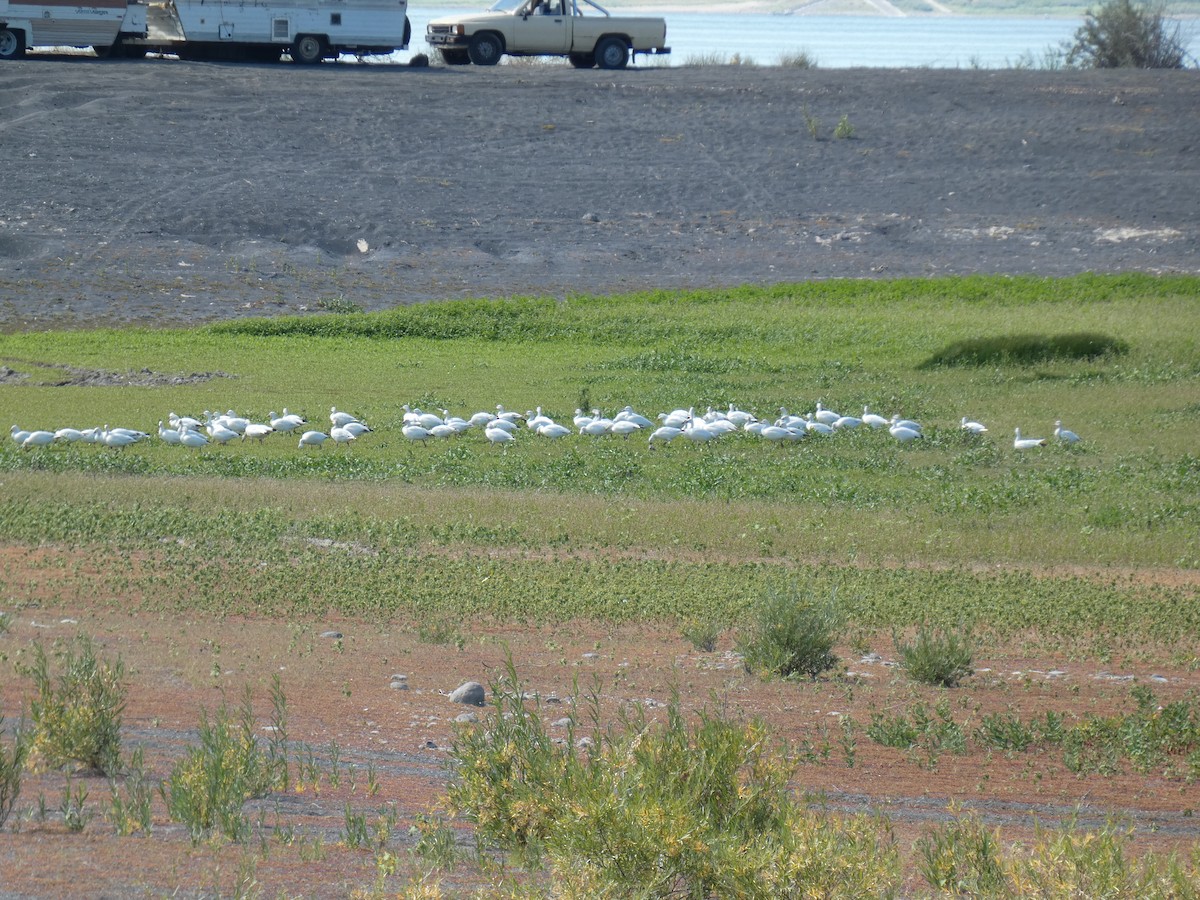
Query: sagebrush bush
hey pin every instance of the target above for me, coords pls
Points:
(962, 857)
(208, 787)
(1125, 34)
(75, 716)
(1026, 349)
(658, 809)
(12, 763)
(792, 635)
(941, 657)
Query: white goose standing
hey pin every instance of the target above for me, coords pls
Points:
(1062, 434)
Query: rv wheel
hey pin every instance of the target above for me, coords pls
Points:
(12, 44)
(307, 49)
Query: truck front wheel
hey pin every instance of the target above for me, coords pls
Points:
(12, 44)
(485, 49)
(612, 53)
(455, 57)
(308, 49)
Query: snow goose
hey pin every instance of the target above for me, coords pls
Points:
(340, 419)
(897, 422)
(903, 433)
(553, 430)
(847, 422)
(285, 423)
(342, 435)
(624, 427)
(414, 432)
(509, 415)
(442, 430)
(973, 427)
(501, 436)
(38, 439)
(70, 435)
(676, 418)
(814, 427)
(825, 416)
(628, 415)
(596, 427)
(664, 434)
(503, 425)
(219, 433)
(169, 435)
(178, 422)
(313, 439)
(256, 431)
(700, 432)
(18, 434)
(775, 433)
(874, 419)
(481, 418)
(787, 420)
(1020, 443)
(189, 437)
(116, 438)
(357, 428)
(739, 417)
(234, 422)
(428, 421)
(535, 419)
(1063, 435)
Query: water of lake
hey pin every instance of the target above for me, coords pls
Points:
(847, 41)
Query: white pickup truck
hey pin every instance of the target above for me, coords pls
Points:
(581, 30)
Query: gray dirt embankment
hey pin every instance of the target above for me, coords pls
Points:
(164, 192)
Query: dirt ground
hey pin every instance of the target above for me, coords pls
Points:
(164, 192)
(340, 692)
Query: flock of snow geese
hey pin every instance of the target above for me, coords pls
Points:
(502, 427)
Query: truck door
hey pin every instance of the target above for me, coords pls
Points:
(543, 28)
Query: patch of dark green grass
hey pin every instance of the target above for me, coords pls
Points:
(1026, 349)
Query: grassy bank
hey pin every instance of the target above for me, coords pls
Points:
(608, 528)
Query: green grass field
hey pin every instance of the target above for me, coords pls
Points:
(952, 528)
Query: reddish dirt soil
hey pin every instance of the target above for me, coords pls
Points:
(340, 693)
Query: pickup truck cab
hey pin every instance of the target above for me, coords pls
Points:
(581, 30)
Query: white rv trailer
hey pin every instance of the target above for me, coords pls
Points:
(308, 30)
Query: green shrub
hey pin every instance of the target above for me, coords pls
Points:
(963, 858)
(799, 59)
(843, 131)
(130, 809)
(1125, 34)
(937, 656)
(76, 717)
(12, 763)
(1026, 349)
(673, 808)
(792, 635)
(207, 788)
(702, 635)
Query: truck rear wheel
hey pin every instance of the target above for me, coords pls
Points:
(12, 44)
(612, 53)
(485, 49)
(582, 60)
(308, 49)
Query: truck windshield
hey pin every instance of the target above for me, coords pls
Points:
(505, 5)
